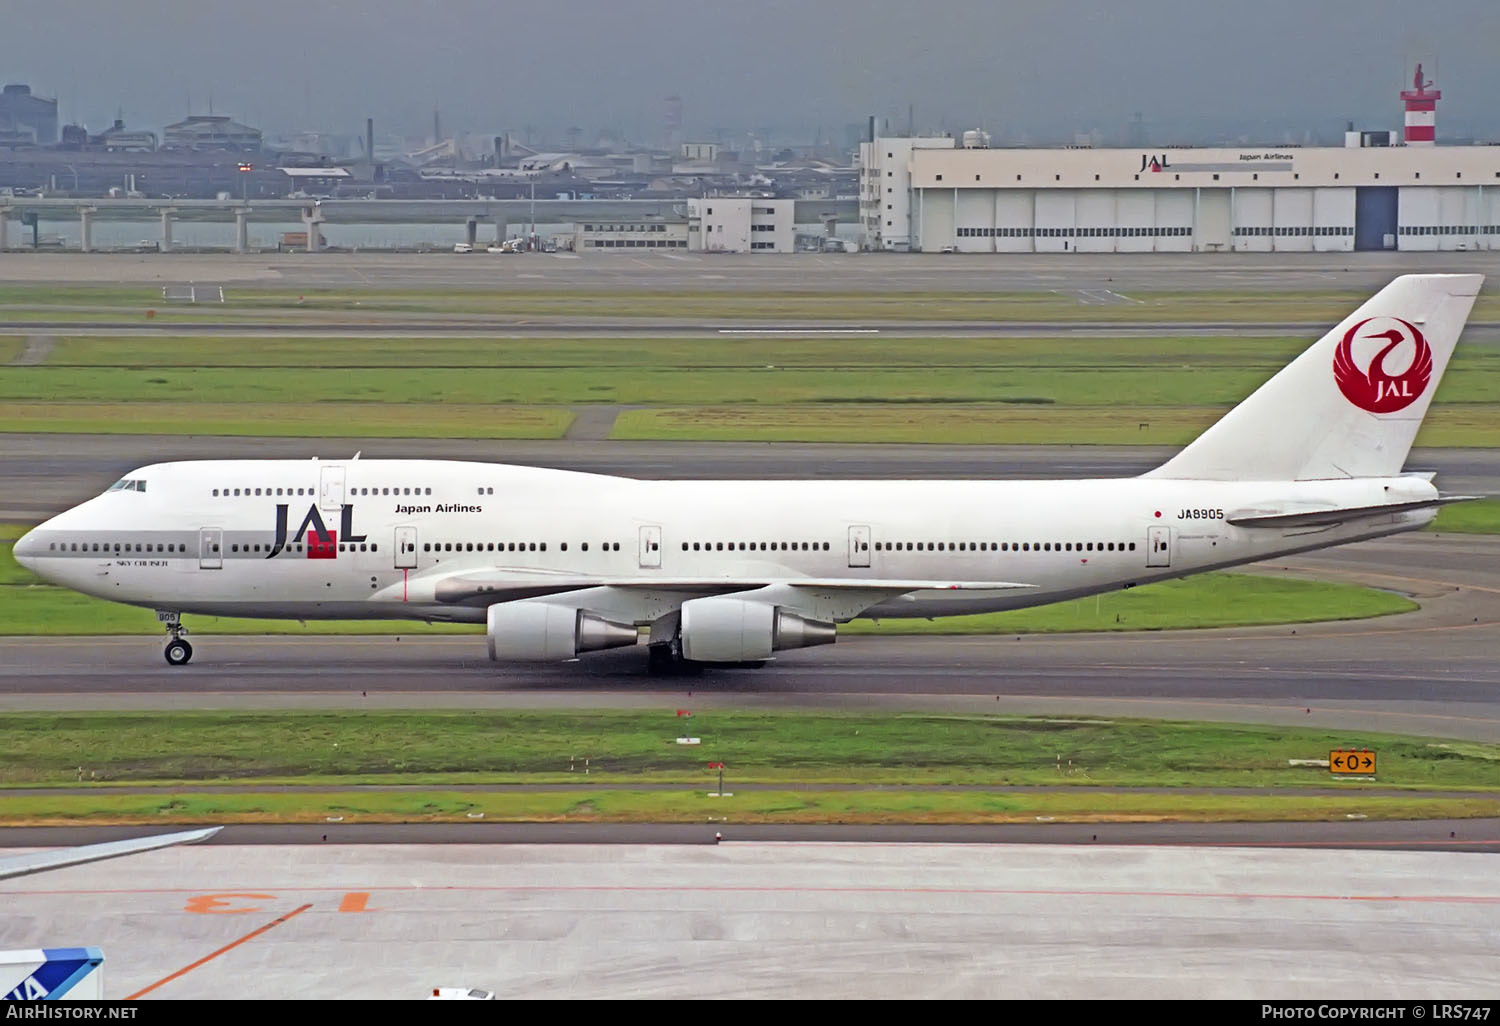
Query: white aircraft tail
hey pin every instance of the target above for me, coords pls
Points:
(1351, 404)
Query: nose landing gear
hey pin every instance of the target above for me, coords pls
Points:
(178, 651)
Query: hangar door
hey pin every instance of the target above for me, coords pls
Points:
(1054, 221)
(1375, 217)
(1253, 220)
(1213, 220)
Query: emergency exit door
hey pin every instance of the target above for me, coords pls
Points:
(859, 545)
(211, 548)
(1159, 546)
(331, 488)
(650, 547)
(406, 548)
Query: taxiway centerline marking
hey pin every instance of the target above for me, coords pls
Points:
(215, 954)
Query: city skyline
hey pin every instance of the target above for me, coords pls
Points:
(1028, 72)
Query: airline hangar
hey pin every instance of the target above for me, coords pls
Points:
(932, 195)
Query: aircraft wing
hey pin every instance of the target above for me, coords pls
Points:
(505, 585)
(36, 862)
(1335, 515)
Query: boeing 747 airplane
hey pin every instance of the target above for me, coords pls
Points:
(556, 563)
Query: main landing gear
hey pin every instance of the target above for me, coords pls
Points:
(178, 651)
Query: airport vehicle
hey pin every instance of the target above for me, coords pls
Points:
(557, 563)
(463, 247)
(52, 974)
(460, 994)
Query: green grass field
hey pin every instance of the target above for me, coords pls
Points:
(692, 805)
(1026, 390)
(263, 302)
(1479, 517)
(321, 748)
(790, 767)
(290, 420)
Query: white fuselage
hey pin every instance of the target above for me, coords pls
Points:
(242, 538)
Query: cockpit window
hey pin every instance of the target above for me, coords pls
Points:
(128, 485)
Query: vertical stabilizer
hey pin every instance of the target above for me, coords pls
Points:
(1350, 405)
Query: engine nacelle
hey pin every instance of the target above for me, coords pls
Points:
(735, 630)
(540, 632)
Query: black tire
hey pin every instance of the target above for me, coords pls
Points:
(667, 661)
(178, 652)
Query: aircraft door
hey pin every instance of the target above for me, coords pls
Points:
(1159, 546)
(859, 546)
(211, 548)
(406, 548)
(650, 548)
(331, 488)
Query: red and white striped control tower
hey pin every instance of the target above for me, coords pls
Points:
(1421, 111)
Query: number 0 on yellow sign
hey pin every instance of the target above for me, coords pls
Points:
(1361, 762)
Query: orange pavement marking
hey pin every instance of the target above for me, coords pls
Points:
(355, 901)
(219, 904)
(215, 954)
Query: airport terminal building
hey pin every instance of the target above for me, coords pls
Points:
(928, 194)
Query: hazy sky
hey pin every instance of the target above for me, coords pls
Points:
(1024, 69)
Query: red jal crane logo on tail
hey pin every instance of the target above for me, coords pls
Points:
(1377, 388)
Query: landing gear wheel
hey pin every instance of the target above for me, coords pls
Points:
(179, 652)
(667, 661)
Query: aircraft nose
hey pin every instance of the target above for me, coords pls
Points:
(27, 549)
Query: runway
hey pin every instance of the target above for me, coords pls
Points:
(773, 920)
(1433, 672)
(779, 273)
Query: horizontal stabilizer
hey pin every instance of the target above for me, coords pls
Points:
(1335, 516)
